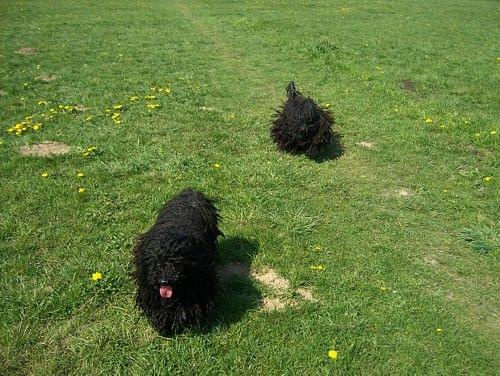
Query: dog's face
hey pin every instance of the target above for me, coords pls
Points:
(165, 274)
(166, 271)
(168, 262)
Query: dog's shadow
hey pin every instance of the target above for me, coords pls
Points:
(237, 293)
(333, 150)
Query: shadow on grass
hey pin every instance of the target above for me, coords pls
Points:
(237, 293)
(333, 150)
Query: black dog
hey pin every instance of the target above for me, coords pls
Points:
(301, 126)
(175, 263)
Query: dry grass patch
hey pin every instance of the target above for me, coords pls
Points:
(44, 149)
(27, 51)
(366, 144)
(270, 278)
(47, 77)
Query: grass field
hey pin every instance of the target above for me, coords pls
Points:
(400, 231)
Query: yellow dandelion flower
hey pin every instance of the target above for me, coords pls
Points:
(117, 121)
(115, 115)
(493, 133)
(231, 116)
(477, 135)
(445, 190)
(152, 106)
(89, 118)
(89, 151)
(81, 190)
(133, 98)
(216, 165)
(118, 106)
(487, 179)
(428, 121)
(36, 127)
(80, 174)
(317, 248)
(45, 174)
(165, 90)
(439, 330)
(107, 110)
(150, 97)
(96, 276)
(318, 268)
(327, 105)
(42, 102)
(332, 354)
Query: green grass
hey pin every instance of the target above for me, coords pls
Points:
(396, 268)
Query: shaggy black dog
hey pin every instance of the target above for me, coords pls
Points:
(175, 263)
(301, 126)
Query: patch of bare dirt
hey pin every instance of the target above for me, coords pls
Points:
(47, 77)
(404, 192)
(398, 192)
(270, 278)
(281, 286)
(27, 51)
(272, 304)
(408, 86)
(366, 144)
(44, 149)
(280, 297)
(306, 294)
(430, 261)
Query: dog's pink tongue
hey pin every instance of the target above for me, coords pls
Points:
(166, 292)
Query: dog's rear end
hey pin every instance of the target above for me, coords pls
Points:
(175, 263)
(301, 126)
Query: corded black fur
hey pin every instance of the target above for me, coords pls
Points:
(301, 126)
(175, 263)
